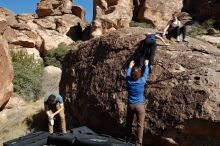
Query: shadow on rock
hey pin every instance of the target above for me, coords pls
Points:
(37, 122)
(75, 32)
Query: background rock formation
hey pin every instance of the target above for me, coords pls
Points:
(155, 12)
(28, 32)
(6, 71)
(182, 93)
(110, 15)
(54, 7)
(34, 35)
(158, 12)
(203, 9)
(51, 79)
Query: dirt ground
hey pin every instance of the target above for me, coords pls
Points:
(20, 117)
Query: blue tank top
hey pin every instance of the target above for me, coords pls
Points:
(151, 36)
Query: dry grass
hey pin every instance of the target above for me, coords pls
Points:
(17, 120)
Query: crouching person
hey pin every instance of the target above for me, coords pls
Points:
(135, 86)
(53, 104)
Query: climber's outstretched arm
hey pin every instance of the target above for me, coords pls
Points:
(160, 38)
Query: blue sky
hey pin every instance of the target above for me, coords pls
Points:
(29, 6)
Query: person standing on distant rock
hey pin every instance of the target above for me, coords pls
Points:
(135, 86)
(174, 29)
(149, 47)
(53, 104)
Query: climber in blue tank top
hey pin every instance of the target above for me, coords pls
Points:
(151, 36)
(148, 49)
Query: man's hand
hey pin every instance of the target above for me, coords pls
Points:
(166, 44)
(131, 64)
(146, 62)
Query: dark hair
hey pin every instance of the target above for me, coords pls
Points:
(51, 99)
(175, 14)
(136, 74)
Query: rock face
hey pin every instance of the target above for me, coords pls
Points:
(182, 95)
(211, 39)
(51, 79)
(203, 8)
(29, 32)
(6, 71)
(157, 12)
(54, 7)
(110, 15)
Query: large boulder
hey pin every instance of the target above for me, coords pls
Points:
(54, 7)
(28, 19)
(182, 95)
(54, 30)
(110, 15)
(7, 18)
(47, 32)
(45, 23)
(6, 70)
(51, 39)
(8, 15)
(51, 79)
(156, 12)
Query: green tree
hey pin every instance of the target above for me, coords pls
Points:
(55, 56)
(27, 75)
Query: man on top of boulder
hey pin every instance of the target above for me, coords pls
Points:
(177, 26)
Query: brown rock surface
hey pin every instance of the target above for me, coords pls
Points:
(3, 24)
(25, 17)
(43, 34)
(110, 15)
(157, 12)
(45, 24)
(10, 34)
(182, 93)
(6, 71)
(51, 79)
(9, 16)
(54, 7)
(51, 39)
(20, 26)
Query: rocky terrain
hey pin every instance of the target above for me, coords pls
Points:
(182, 95)
(53, 24)
(113, 14)
(6, 89)
(110, 15)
